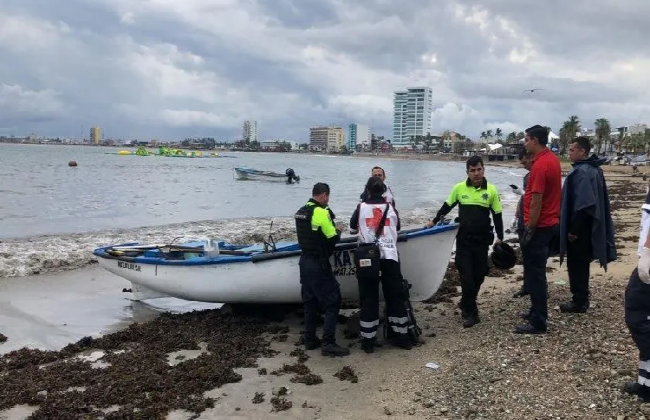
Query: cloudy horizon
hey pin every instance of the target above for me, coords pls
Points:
(171, 69)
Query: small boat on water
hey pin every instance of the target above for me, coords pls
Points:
(266, 272)
(248, 174)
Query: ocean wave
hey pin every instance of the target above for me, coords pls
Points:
(41, 254)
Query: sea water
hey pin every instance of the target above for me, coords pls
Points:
(52, 216)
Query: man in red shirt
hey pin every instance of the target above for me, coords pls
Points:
(541, 220)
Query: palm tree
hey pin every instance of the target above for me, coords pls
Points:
(603, 129)
(499, 134)
(488, 134)
(512, 137)
(634, 142)
(483, 135)
(570, 128)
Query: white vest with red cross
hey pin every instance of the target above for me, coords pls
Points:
(369, 218)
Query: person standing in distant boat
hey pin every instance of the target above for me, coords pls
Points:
(476, 199)
(317, 237)
(388, 196)
(365, 222)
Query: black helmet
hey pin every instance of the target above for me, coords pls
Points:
(503, 256)
(289, 172)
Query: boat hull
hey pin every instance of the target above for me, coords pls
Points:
(252, 175)
(424, 256)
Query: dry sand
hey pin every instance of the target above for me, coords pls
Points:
(574, 371)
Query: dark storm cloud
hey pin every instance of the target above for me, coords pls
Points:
(176, 69)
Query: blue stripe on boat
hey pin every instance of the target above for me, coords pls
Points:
(256, 249)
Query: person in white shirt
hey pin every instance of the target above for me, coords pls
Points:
(388, 196)
(637, 307)
(365, 221)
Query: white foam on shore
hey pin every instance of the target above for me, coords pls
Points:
(35, 255)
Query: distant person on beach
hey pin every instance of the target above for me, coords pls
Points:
(317, 237)
(366, 221)
(586, 228)
(542, 220)
(476, 200)
(525, 158)
(637, 307)
(388, 196)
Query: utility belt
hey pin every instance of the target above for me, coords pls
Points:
(487, 237)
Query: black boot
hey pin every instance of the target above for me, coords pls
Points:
(368, 345)
(520, 293)
(529, 329)
(637, 389)
(312, 343)
(574, 308)
(334, 350)
(469, 320)
(402, 341)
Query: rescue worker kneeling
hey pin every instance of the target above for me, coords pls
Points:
(367, 222)
(317, 237)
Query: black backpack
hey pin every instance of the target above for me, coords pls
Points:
(414, 331)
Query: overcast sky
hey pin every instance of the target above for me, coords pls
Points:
(175, 68)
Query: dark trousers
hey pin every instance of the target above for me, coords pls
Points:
(520, 235)
(637, 312)
(472, 265)
(320, 292)
(535, 254)
(391, 284)
(579, 257)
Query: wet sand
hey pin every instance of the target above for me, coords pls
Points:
(49, 311)
(575, 371)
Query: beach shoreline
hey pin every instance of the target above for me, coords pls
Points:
(575, 371)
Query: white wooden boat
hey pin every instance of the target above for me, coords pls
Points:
(253, 274)
(249, 174)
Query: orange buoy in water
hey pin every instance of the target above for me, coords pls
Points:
(72, 163)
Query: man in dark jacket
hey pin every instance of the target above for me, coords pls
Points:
(586, 228)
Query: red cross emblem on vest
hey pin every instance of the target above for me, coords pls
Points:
(373, 222)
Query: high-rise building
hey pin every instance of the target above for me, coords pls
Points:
(411, 114)
(249, 133)
(358, 135)
(330, 139)
(95, 135)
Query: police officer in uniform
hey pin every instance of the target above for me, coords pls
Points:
(476, 200)
(317, 237)
(637, 307)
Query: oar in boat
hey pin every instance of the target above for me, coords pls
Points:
(198, 248)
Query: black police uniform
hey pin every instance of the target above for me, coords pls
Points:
(474, 237)
(320, 290)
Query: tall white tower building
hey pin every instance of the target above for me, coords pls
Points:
(411, 114)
